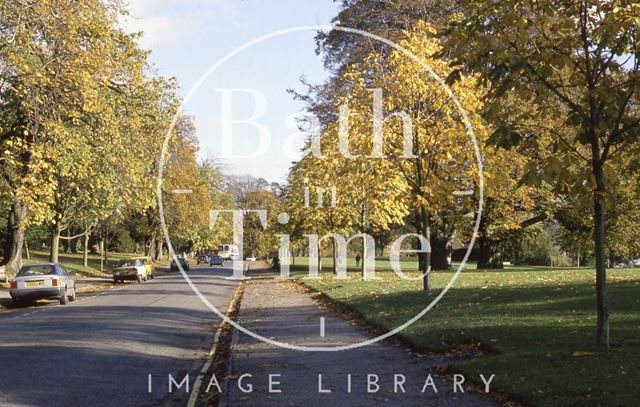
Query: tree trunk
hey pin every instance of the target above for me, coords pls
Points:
(26, 249)
(333, 254)
(106, 250)
(101, 250)
(363, 257)
(426, 257)
(15, 238)
(158, 245)
(490, 254)
(55, 244)
(94, 243)
(602, 329)
(73, 245)
(149, 249)
(85, 251)
(66, 244)
(440, 251)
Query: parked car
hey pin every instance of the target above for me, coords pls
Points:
(634, 263)
(137, 269)
(202, 258)
(215, 260)
(43, 280)
(183, 262)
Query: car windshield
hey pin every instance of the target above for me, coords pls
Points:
(128, 263)
(36, 270)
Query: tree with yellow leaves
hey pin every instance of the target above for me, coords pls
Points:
(425, 143)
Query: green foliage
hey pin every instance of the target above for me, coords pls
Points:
(577, 63)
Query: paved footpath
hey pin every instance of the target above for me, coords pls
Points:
(276, 310)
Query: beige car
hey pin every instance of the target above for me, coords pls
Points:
(137, 269)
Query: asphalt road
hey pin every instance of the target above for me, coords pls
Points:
(100, 350)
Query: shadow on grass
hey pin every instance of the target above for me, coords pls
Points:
(532, 330)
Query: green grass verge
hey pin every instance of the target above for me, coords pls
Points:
(533, 319)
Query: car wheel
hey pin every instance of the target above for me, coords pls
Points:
(17, 301)
(64, 299)
(72, 297)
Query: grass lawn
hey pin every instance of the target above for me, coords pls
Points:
(301, 263)
(409, 264)
(73, 262)
(533, 319)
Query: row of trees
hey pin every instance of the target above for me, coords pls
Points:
(417, 177)
(82, 120)
(551, 89)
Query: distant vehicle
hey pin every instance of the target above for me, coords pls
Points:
(137, 269)
(620, 265)
(251, 259)
(215, 260)
(229, 252)
(634, 263)
(183, 262)
(43, 280)
(202, 258)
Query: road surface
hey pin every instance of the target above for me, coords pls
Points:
(100, 350)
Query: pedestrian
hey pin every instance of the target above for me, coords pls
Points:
(358, 260)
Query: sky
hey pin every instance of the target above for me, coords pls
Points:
(189, 37)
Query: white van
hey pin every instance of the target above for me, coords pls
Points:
(229, 252)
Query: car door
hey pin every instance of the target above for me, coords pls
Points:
(71, 278)
(64, 278)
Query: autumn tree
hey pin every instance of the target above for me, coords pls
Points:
(335, 194)
(184, 213)
(581, 55)
(43, 98)
(425, 144)
(209, 239)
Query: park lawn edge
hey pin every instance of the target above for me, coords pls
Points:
(455, 353)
